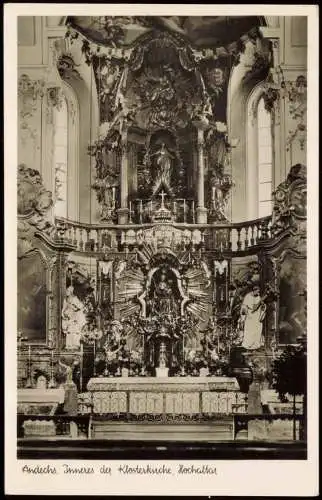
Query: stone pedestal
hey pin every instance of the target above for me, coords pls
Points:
(71, 402)
(123, 215)
(201, 215)
(162, 372)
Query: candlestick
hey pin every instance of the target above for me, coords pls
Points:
(130, 211)
(51, 384)
(141, 211)
(81, 367)
(183, 357)
(29, 384)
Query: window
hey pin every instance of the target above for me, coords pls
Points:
(259, 156)
(264, 150)
(61, 158)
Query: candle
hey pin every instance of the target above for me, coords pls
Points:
(193, 211)
(151, 206)
(174, 206)
(213, 193)
(113, 193)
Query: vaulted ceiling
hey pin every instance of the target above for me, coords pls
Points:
(201, 31)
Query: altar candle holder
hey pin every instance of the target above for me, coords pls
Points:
(51, 384)
(130, 213)
(183, 373)
(81, 366)
(113, 204)
(94, 358)
(184, 210)
(28, 383)
(141, 211)
(142, 372)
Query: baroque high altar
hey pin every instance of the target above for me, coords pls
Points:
(158, 295)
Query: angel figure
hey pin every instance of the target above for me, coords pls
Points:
(207, 273)
(221, 266)
(121, 266)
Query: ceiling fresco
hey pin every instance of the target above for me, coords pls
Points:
(201, 31)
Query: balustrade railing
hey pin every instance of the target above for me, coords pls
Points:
(79, 426)
(234, 237)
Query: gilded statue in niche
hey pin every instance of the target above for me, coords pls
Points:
(163, 299)
(163, 160)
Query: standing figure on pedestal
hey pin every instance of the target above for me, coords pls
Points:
(163, 162)
(252, 312)
(73, 319)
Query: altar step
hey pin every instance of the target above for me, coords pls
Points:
(217, 430)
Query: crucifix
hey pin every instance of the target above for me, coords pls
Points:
(163, 195)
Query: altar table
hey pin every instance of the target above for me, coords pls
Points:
(173, 395)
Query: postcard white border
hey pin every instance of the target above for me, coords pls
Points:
(255, 477)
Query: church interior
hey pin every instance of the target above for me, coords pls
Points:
(161, 230)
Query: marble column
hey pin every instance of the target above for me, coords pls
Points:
(201, 210)
(123, 211)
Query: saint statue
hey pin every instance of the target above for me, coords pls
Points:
(163, 162)
(73, 319)
(252, 312)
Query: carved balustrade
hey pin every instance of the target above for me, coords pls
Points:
(234, 237)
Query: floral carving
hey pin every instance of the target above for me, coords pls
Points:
(34, 201)
(29, 91)
(66, 67)
(32, 196)
(290, 201)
